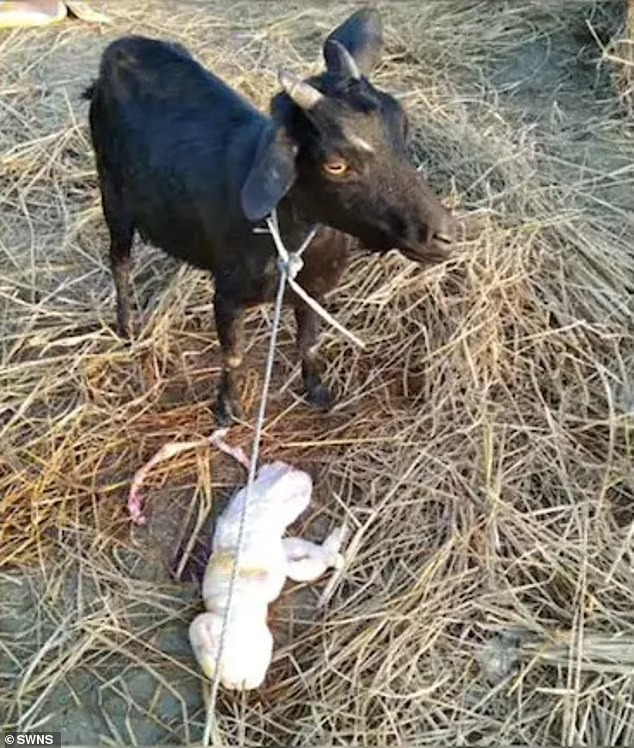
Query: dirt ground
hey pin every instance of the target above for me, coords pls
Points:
(484, 567)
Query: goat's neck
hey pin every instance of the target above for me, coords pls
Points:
(293, 221)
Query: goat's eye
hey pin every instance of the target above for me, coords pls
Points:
(337, 167)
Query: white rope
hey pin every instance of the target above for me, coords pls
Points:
(285, 257)
(252, 470)
(290, 264)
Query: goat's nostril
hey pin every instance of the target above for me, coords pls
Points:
(443, 238)
(438, 235)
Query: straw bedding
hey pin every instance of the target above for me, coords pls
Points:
(482, 446)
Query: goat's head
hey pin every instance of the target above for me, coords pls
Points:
(342, 142)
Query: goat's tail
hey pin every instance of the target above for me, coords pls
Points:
(89, 92)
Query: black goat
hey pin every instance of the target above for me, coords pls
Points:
(191, 165)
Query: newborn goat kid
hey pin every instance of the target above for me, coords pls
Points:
(194, 167)
(280, 494)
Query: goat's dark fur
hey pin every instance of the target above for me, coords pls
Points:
(191, 165)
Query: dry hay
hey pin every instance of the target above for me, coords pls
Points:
(619, 51)
(481, 450)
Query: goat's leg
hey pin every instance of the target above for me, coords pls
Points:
(307, 331)
(306, 561)
(121, 230)
(229, 324)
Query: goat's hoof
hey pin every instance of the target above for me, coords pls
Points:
(228, 412)
(320, 397)
(124, 332)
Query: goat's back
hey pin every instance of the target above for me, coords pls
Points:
(175, 143)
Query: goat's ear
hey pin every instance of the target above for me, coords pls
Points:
(362, 36)
(271, 176)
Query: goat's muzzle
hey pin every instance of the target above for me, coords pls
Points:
(435, 244)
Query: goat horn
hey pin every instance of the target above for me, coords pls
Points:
(302, 93)
(339, 60)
